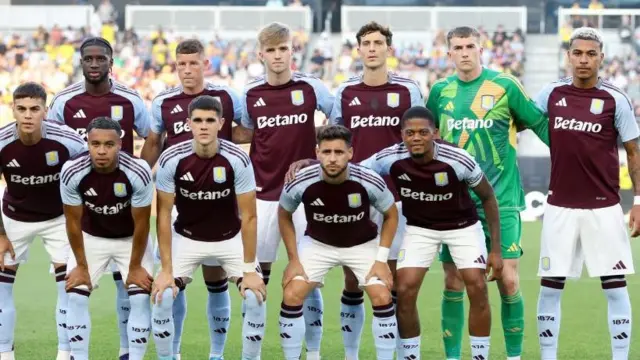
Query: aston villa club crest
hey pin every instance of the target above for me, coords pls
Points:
(487, 102)
(355, 200)
(597, 105)
(52, 158)
(219, 174)
(393, 100)
(442, 179)
(117, 112)
(120, 189)
(297, 97)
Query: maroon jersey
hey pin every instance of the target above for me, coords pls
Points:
(107, 198)
(282, 119)
(169, 112)
(74, 107)
(373, 113)
(32, 172)
(434, 195)
(206, 189)
(338, 214)
(584, 125)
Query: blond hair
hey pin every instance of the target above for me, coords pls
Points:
(274, 33)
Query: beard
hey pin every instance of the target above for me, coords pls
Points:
(99, 80)
(333, 176)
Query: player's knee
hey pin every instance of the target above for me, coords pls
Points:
(407, 291)
(164, 301)
(453, 281)
(509, 283)
(251, 300)
(292, 295)
(381, 296)
(477, 288)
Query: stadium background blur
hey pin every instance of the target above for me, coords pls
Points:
(39, 41)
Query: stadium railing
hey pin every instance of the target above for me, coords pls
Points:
(23, 18)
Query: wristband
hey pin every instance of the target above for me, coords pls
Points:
(636, 200)
(248, 267)
(383, 254)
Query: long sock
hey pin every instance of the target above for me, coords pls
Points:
(313, 310)
(162, 324)
(123, 309)
(549, 315)
(139, 323)
(410, 348)
(79, 323)
(219, 315)
(179, 315)
(352, 322)
(394, 299)
(61, 309)
(479, 347)
(619, 313)
(452, 323)
(513, 323)
(291, 331)
(7, 310)
(253, 327)
(385, 331)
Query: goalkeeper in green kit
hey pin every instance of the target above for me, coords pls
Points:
(480, 110)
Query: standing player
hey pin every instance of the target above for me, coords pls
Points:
(371, 106)
(479, 109)
(98, 95)
(169, 116)
(107, 196)
(212, 184)
(583, 220)
(278, 120)
(336, 196)
(32, 152)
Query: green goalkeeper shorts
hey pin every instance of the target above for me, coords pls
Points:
(510, 234)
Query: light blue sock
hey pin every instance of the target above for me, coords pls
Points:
(79, 323)
(253, 327)
(139, 323)
(162, 324)
(313, 310)
(123, 309)
(61, 309)
(292, 328)
(179, 315)
(219, 315)
(7, 310)
(352, 322)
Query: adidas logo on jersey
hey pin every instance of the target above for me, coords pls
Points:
(562, 102)
(177, 109)
(13, 164)
(317, 202)
(80, 115)
(404, 177)
(260, 103)
(620, 266)
(187, 177)
(91, 192)
(355, 102)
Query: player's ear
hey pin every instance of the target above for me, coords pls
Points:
(317, 152)
(221, 122)
(350, 152)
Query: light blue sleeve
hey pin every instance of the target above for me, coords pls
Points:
(324, 97)
(336, 112)
(56, 110)
(381, 200)
(473, 177)
(542, 99)
(142, 187)
(291, 197)
(142, 118)
(381, 161)
(69, 189)
(245, 180)
(238, 109)
(416, 95)
(245, 120)
(72, 141)
(157, 125)
(625, 120)
(165, 175)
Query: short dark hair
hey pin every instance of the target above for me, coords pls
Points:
(419, 112)
(372, 27)
(190, 46)
(462, 32)
(96, 41)
(334, 132)
(104, 123)
(205, 102)
(30, 90)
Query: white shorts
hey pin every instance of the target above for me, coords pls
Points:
(191, 254)
(101, 251)
(318, 258)
(53, 233)
(269, 238)
(378, 218)
(597, 237)
(420, 246)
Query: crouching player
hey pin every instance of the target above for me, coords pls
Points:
(336, 196)
(212, 184)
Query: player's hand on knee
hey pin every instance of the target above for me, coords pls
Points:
(139, 277)
(381, 271)
(79, 276)
(294, 168)
(251, 281)
(294, 269)
(634, 221)
(6, 247)
(494, 266)
(163, 281)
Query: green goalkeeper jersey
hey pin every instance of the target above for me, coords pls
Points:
(482, 116)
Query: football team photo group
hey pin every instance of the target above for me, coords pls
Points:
(393, 184)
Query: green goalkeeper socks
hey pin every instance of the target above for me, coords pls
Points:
(513, 323)
(452, 323)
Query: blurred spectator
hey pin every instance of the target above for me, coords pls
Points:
(596, 5)
(107, 11)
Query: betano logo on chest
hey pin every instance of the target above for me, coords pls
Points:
(422, 196)
(337, 218)
(469, 124)
(281, 120)
(108, 209)
(35, 179)
(205, 195)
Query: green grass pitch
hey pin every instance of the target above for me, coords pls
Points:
(584, 317)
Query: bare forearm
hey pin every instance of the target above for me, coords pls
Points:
(490, 206)
(288, 233)
(140, 241)
(2, 230)
(76, 241)
(163, 229)
(388, 231)
(151, 152)
(633, 162)
(249, 231)
(241, 135)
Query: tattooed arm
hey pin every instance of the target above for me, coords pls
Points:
(633, 162)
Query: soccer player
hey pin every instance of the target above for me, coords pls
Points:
(212, 184)
(479, 110)
(32, 152)
(371, 106)
(278, 120)
(107, 196)
(169, 116)
(99, 95)
(433, 179)
(336, 196)
(583, 221)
